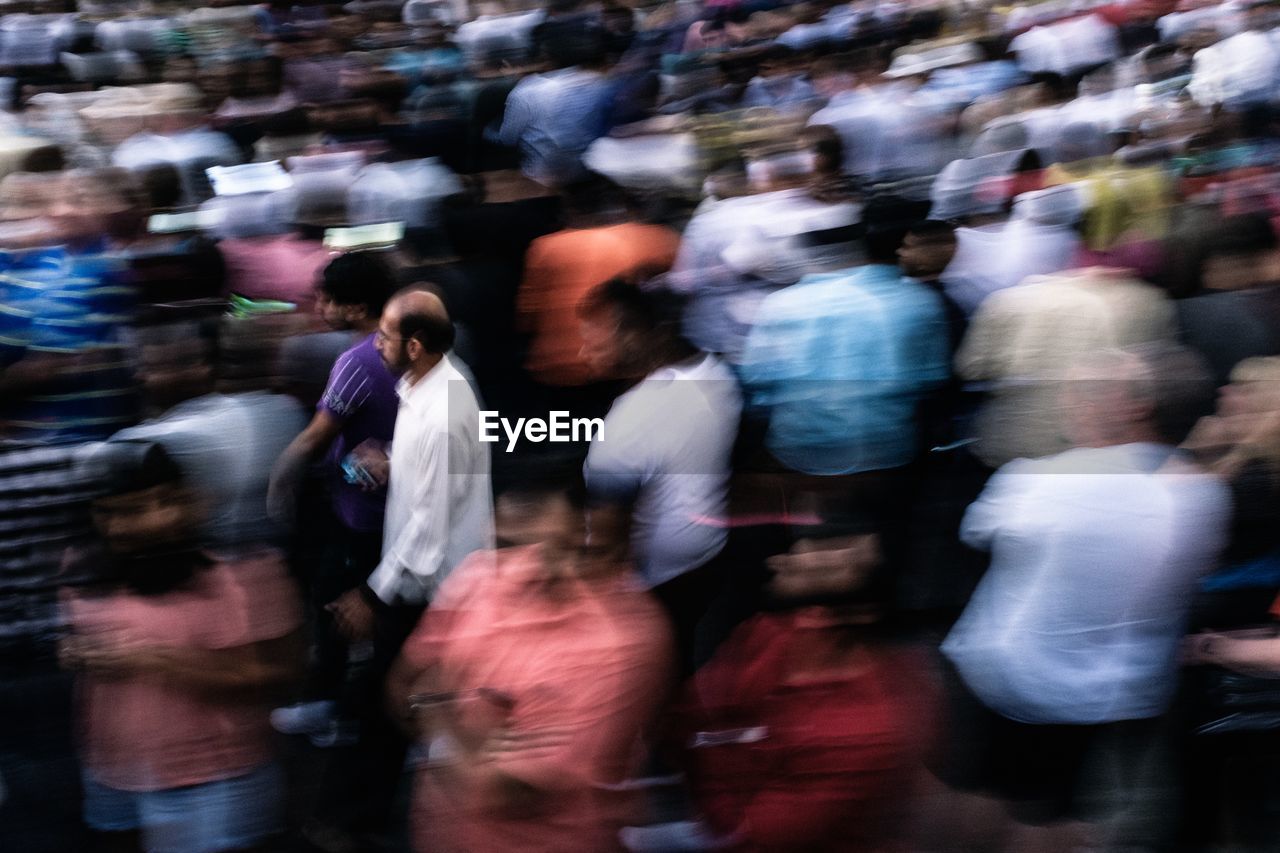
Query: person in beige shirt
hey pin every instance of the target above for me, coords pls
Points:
(1022, 338)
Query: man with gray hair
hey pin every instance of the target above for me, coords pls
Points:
(1072, 637)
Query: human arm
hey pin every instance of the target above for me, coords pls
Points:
(22, 371)
(516, 116)
(1247, 652)
(254, 666)
(994, 507)
(581, 735)
(304, 449)
(417, 553)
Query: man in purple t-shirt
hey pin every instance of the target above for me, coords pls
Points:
(357, 410)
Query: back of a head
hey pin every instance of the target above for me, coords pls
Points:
(653, 311)
(536, 477)
(1082, 140)
(574, 41)
(424, 318)
(1244, 234)
(933, 231)
(1238, 253)
(124, 467)
(359, 278)
(887, 219)
(594, 196)
(827, 148)
(1178, 385)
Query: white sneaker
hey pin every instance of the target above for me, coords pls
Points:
(303, 718)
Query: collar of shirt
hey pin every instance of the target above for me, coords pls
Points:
(864, 274)
(419, 394)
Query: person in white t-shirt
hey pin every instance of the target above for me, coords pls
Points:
(658, 478)
(1067, 653)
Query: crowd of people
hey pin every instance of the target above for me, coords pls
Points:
(585, 425)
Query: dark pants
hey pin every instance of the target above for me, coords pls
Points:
(358, 788)
(349, 557)
(686, 599)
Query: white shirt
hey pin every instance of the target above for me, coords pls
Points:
(667, 443)
(1095, 557)
(886, 131)
(768, 240)
(226, 445)
(1241, 69)
(439, 498)
(1067, 46)
(992, 258)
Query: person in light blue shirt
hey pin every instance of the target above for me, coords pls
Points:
(552, 118)
(839, 362)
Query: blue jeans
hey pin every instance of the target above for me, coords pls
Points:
(229, 814)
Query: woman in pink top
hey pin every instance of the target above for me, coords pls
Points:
(176, 656)
(533, 677)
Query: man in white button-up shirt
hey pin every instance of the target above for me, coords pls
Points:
(439, 510)
(439, 502)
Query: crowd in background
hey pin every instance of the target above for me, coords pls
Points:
(924, 473)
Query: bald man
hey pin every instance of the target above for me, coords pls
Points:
(439, 506)
(439, 510)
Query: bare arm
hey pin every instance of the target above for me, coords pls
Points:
(305, 448)
(1242, 651)
(258, 666)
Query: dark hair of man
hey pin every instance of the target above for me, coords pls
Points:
(433, 331)
(539, 476)
(650, 310)
(832, 64)
(827, 146)
(1245, 234)
(359, 278)
(887, 219)
(1178, 385)
(127, 466)
(933, 231)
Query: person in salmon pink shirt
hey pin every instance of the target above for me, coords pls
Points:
(177, 653)
(533, 679)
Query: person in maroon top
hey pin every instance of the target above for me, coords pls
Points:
(807, 731)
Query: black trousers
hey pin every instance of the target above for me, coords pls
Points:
(348, 558)
(686, 599)
(359, 782)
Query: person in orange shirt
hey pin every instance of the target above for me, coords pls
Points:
(601, 240)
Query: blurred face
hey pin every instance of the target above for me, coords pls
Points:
(390, 345)
(146, 520)
(815, 569)
(173, 372)
(84, 207)
(925, 258)
(336, 316)
(1239, 271)
(547, 520)
(1099, 410)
